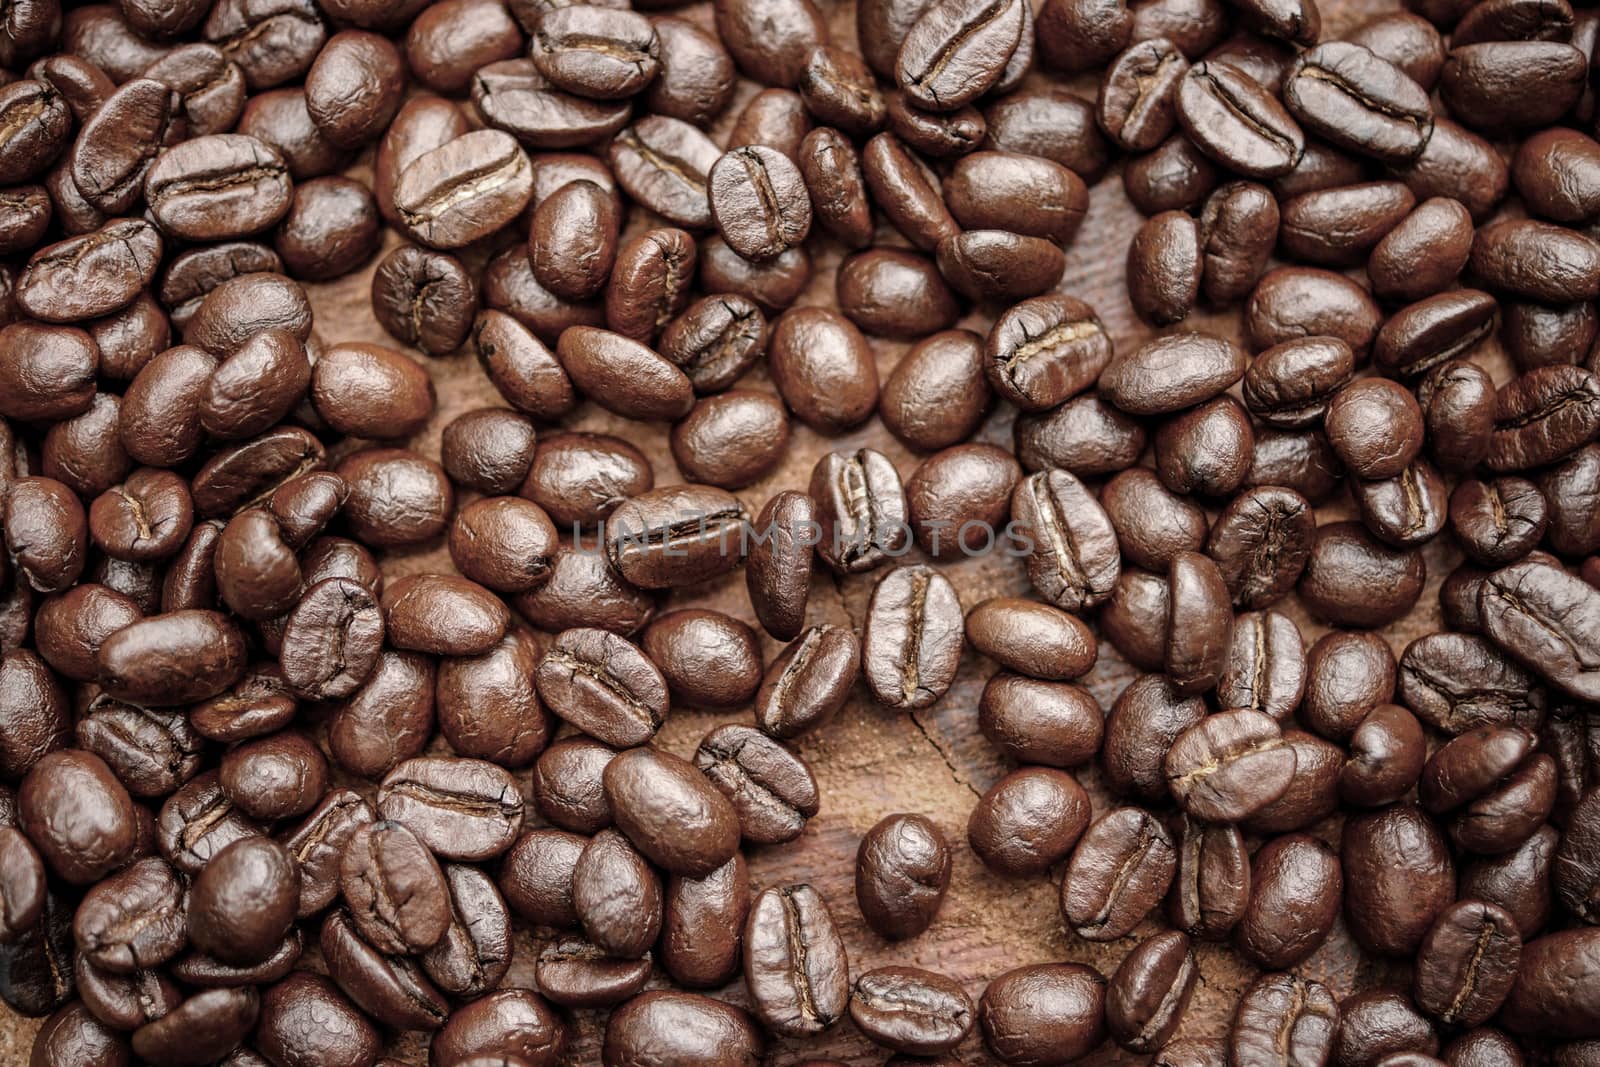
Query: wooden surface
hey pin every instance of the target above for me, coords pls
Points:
(872, 762)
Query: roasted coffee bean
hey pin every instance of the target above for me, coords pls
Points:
(912, 642)
(862, 514)
(424, 298)
(940, 135)
(778, 569)
(1352, 580)
(1119, 871)
(22, 887)
(649, 285)
(1028, 821)
(1172, 373)
(1084, 436)
(831, 168)
(46, 533)
(936, 396)
(808, 683)
(1237, 122)
(907, 192)
(1376, 1024)
(70, 628)
(795, 963)
(616, 895)
(773, 118)
(1386, 756)
(1338, 226)
(1211, 883)
(958, 499)
(318, 843)
(1505, 85)
(197, 822)
(902, 873)
(910, 1010)
(1467, 963)
(1425, 335)
(1135, 618)
(244, 901)
(1498, 522)
(575, 974)
(677, 536)
(771, 789)
(461, 809)
(1033, 638)
(1137, 105)
(703, 925)
(1537, 613)
(1261, 543)
(1229, 766)
(474, 954)
(671, 812)
(1164, 268)
(1398, 878)
(696, 77)
(1283, 1018)
(38, 126)
(583, 590)
(1293, 302)
(1146, 718)
(397, 896)
(955, 52)
(665, 164)
(1044, 1013)
(731, 440)
(890, 293)
(1074, 559)
(304, 1017)
(1036, 721)
(391, 989)
(664, 1026)
(1543, 416)
(1199, 622)
(1359, 102)
(567, 786)
(1457, 682)
(1423, 253)
(604, 686)
(202, 1028)
(1458, 403)
(135, 919)
(464, 189)
(1147, 996)
(1295, 888)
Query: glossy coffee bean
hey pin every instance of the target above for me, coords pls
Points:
(795, 963)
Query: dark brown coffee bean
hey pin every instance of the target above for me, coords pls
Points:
(910, 1010)
(1424, 253)
(890, 293)
(912, 642)
(603, 685)
(624, 375)
(1074, 559)
(1281, 1019)
(1536, 261)
(1458, 407)
(1237, 122)
(331, 639)
(677, 536)
(1229, 765)
(1120, 871)
(1432, 331)
(396, 894)
(1375, 584)
(778, 569)
(1466, 963)
(902, 873)
(1544, 416)
(1295, 887)
(1147, 996)
(1359, 102)
(671, 1027)
(807, 684)
(1045, 350)
(199, 821)
(794, 961)
(1211, 885)
(1398, 877)
(464, 189)
(1164, 268)
(318, 843)
(133, 920)
(759, 202)
(1028, 821)
(1199, 622)
(200, 1029)
(650, 284)
(1505, 85)
(617, 896)
(1172, 373)
(1137, 105)
(1044, 1012)
(955, 52)
(665, 164)
(1293, 302)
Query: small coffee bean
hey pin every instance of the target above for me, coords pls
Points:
(913, 640)
(1147, 996)
(1120, 871)
(396, 893)
(778, 569)
(1236, 121)
(955, 52)
(1172, 373)
(1359, 102)
(772, 789)
(1211, 884)
(1028, 821)
(910, 1010)
(1044, 1013)
(1137, 105)
(1398, 878)
(902, 873)
(1283, 1017)
(1466, 963)
(135, 919)
(807, 684)
(604, 686)
(795, 962)
(1229, 765)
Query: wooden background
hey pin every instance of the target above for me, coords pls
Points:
(872, 762)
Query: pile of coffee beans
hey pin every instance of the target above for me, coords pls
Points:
(271, 796)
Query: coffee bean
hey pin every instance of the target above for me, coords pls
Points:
(1293, 302)
(1137, 105)
(671, 812)
(665, 164)
(462, 809)
(890, 293)
(1028, 820)
(135, 919)
(1147, 996)
(910, 1010)
(474, 954)
(1536, 612)
(318, 843)
(1283, 1018)
(396, 894)
(956, 51)
(466, 188)
(794, 961)
(778, 569)
(912, 642)
(772, 789)
(200, 1029)
(703, 925)
(1074, 559)
(1426, 334)
(603, 685)
(1172, 373)
(1357, 101)
(1543, 416)
(1466, 963)
(1211, 884)
(1295, 887)
(902, 873)
(1120, 871)
(1391, 902)
(808, 683)
(1044, 1012)
(1548, 81)
(668, 1026)
(1237, 122)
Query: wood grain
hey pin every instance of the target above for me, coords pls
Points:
(872, 762)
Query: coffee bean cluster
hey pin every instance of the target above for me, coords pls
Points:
(261, 806)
